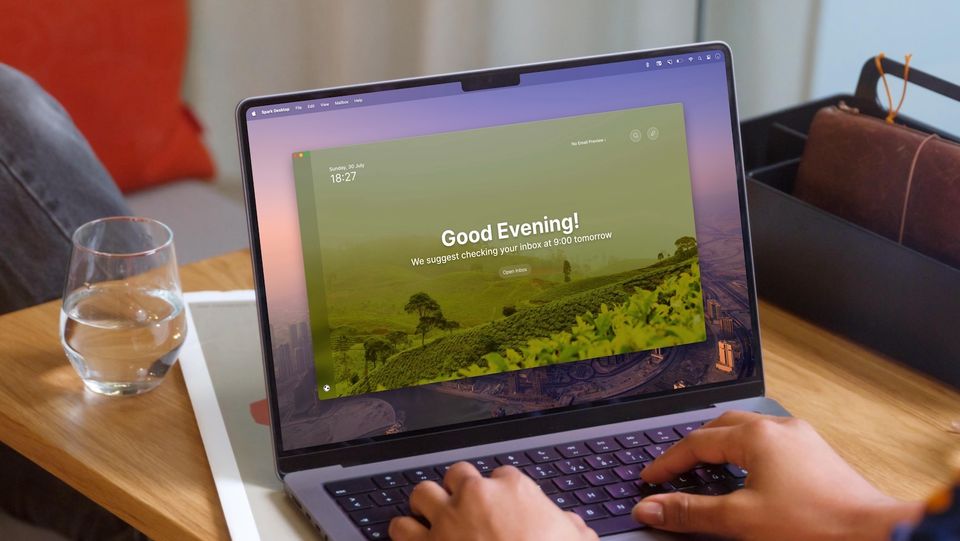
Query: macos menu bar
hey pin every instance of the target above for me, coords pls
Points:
(449, 89)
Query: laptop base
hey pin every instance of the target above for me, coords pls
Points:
(311, 489)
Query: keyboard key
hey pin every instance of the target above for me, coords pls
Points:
(374, 515)
(627, 473)
(548, 487)
(711, 474)
(686, 480)
(571, 450)
(377, 531)
(355, 503)
(442, 470)
(614, 525)
(649, 489)
(656, 449)
(484, 464)
(390, 480)
(572, 465)
(599, 462)
(603, 445)
(546, 454)
(600, 478)
(564, 500)
(735, 484)
(736, 471)
(541, 471)
(662, 435)
(592, 495)
(687, 428)
(619, 507)
(590, 512)
(710, 489)
(570, 482)
(631, 456)
(421, 474)
(622, 490)
(513, 459)
(384, 498)
(636, 439)
(350, 487)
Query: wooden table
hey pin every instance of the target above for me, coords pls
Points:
(142, 458)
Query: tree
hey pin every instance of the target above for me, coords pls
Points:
(421, 304)
(686, 246)
(509, 310)
(566, 270)
(660, 256)
(341, 346)
(398, 338)
(375, 349)
(427, 309)
(428, 323)
(448, 325)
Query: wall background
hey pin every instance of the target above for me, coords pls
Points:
(785, 51)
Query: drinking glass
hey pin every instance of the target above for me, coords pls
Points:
(122, 321)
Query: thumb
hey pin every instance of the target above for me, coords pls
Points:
(682, 512)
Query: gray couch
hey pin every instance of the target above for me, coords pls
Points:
(206, 220)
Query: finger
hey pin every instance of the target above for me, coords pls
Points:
(576, 519)
(506, 472)
(682, 512)
(587, 533)
(457, 475)
(428, 499)
(733, 418)
(407, 529)
(707, 445)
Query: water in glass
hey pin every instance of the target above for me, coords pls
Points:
(122, 340)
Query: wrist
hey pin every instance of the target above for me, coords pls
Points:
(876, 521)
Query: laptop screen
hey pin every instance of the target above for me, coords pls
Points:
(437, 255)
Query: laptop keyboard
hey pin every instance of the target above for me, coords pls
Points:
(598, 479)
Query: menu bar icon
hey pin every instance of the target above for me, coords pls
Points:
(680, 61)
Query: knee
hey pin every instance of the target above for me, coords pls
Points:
(29, 116)
(11, 79)
(10, 76)
(23, 102)
(17, 90)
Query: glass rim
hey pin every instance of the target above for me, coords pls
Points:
(149, 251)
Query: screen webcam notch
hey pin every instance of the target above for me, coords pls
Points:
(486, 81)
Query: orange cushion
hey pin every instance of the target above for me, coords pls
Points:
(117, 67)
(260, 412)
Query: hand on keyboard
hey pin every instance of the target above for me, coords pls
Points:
(798, 488)
(506, 506)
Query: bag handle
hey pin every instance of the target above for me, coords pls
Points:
(869, 76)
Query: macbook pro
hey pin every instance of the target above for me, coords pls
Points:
(546, 266)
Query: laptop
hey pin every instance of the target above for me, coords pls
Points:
(545, 265)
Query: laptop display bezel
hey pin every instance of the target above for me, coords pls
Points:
(485, 431)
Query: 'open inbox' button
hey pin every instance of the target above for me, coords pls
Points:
(513, 271)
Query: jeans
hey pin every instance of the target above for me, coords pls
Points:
(50, 183)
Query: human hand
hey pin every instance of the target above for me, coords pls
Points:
(508, 506)
(797, 489)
